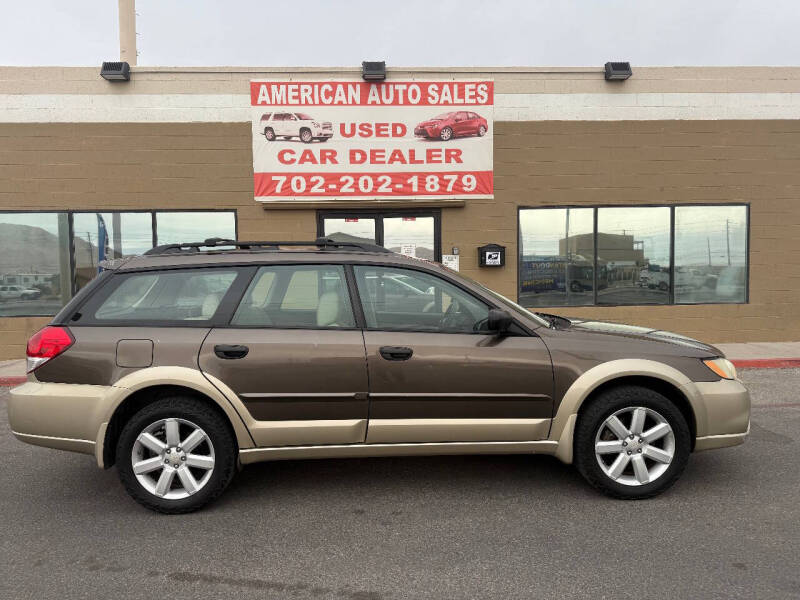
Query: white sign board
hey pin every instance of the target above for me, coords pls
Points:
(450, 261)
(334, 140)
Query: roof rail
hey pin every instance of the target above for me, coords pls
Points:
(321, 243)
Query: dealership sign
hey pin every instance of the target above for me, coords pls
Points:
(334, 140)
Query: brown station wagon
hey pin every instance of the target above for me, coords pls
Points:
(181, 365)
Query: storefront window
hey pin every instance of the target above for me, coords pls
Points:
(102, 236)
(633, 247)
(34, 263)
(633, 261)
(350, 229)
(414, 233)
(710, 254)
(557, 257)
(194, 226)
(39, 249)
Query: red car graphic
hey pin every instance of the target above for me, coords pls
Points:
(452, 124)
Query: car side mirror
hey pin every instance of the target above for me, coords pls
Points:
(498, 321)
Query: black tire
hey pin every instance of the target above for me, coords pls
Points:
(269, 133)
(663, 286)
(575, 287)
(446, 134)
(306, 136)
(199, 413)
(481, 131)
(591, 419)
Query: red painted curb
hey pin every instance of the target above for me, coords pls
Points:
(766, 363)
(9, 381)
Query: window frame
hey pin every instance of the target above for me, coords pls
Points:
(361, 318)
(671, 299)
(379, 215)
(229, 324)
(74, 291)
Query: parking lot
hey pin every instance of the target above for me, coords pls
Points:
(443, 527)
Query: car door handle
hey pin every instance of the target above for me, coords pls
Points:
(229, 351)
(396, 352)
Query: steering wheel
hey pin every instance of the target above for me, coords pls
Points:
(453, 318)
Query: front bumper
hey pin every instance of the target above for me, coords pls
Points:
(722, 412)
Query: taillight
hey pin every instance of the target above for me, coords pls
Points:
(47, 343)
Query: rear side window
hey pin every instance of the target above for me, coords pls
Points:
(296, 296)
(167, 296)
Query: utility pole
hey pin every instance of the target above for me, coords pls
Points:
(127, 31)
(728, 238)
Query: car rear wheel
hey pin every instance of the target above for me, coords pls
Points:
(445, 134)
(481, 131)
(176, 455)
(269, 133)
(306, 136)
(631, 442)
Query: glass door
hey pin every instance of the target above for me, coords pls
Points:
(413, 233)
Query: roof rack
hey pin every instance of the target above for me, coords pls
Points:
(321, 243)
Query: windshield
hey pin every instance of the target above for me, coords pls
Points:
(444, 115)
(304, 116)
(503, 300)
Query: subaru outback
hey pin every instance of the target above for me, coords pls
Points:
(181, 365)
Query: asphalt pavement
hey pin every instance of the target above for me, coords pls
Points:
(443, 527)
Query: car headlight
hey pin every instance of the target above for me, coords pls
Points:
(315, 124)
(722, 367)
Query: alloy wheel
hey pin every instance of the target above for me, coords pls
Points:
(173, 458)
(635, 446)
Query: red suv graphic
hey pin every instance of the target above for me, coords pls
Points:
(452, 124)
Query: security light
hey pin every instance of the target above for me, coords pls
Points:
(373, 70)
(618, 71)
(115, 71)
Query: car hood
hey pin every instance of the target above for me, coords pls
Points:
(429, 122)
(634, 332)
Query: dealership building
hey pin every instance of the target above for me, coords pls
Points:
(669, 200)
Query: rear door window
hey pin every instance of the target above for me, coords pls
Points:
(296, 296)
(181, 295)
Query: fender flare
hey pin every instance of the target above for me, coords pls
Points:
(563, 425)
(209, 386)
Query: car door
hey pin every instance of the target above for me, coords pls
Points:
(461, 125)
(434, 376)
(294, 357)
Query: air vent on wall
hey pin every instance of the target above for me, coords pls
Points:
(618, 71)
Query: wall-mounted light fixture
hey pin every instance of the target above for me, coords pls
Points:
(618, 71)
(115, 71)
(373, 70)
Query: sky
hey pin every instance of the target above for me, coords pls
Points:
(407, 32)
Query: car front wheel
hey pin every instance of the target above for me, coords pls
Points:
(306, 136)
(631, 442)
(176, 455)
(445, 134)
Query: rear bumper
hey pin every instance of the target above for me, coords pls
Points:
(58, 415)
(722, 413)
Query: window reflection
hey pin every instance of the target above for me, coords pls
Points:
(412, 235)
(102, 236)
(557, 257)
(34, 264)
(633, 245)
(181, 227)
(350, 229)
(710, 254)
